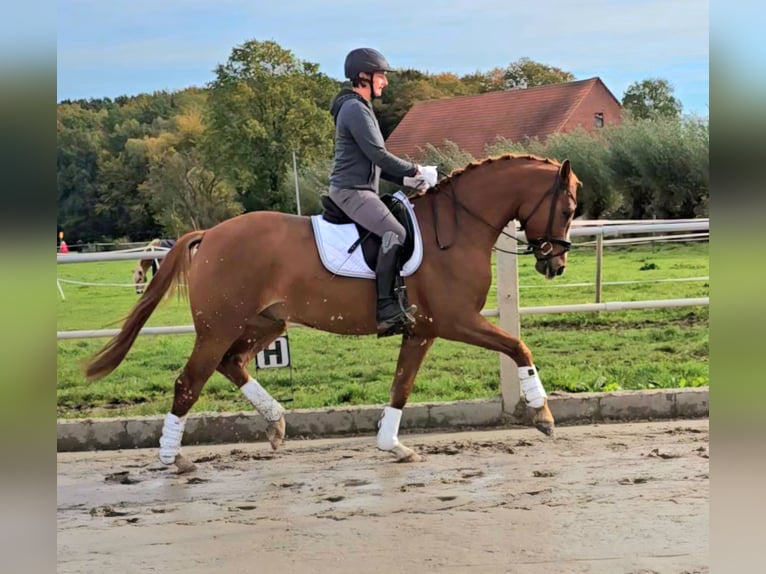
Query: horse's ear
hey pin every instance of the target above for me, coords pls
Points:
(565, 170)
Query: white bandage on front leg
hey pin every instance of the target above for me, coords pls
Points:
(532, 387)
(263, 402)
(388, 428)
(170, 442)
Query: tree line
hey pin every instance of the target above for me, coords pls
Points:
(139, 167)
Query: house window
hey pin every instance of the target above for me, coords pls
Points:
(599, 120)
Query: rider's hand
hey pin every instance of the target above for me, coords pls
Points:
(415, 182)
(425, 177)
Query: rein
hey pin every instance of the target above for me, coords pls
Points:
(544, 244)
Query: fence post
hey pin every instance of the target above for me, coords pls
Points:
(297, 189)
(599, 264)
(508, 308)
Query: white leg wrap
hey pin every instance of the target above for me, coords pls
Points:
(532, 387)
(263, 402)
(388, 428)
(170, 442)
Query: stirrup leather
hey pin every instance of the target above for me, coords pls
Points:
(408, 310)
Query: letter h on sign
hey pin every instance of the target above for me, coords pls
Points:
(275, 355)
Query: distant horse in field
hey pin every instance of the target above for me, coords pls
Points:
(143, 266)
(255, 273)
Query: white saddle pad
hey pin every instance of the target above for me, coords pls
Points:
(334, 240)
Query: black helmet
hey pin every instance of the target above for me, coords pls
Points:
(365, 60)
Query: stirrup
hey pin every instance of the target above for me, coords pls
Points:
(400, 323)
(398, 328)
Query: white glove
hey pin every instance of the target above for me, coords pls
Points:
(428, 174)
(426, 177)
(415, 182)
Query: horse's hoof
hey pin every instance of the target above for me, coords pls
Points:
(404, 454)
(184, 465)
(275, 432)
(543, 419)
(545, 427)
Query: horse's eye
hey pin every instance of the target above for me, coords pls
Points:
(566, 214)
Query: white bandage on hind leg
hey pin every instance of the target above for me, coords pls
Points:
(388, 428)
(170, 442)
(263, 402)
(532, 387)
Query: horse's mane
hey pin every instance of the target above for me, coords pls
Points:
(471, 166)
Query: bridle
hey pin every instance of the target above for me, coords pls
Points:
(541, 247)
(545, 244)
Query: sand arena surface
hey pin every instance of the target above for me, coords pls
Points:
(630, 498)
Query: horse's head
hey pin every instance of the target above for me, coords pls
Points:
(546, 220)
(139, 277)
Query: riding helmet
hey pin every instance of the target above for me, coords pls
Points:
(365, 60)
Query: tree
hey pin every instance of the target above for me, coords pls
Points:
(186, 195)
(182, 190)
(589, 154)
(264, 105)
(448, 157)
(120, 201)
(661, 166)
(313, 177)
(651, 98)
(79, 149)
(526, 73)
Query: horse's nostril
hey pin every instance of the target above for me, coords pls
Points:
(560, 270)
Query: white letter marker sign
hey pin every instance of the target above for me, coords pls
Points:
(275, 355)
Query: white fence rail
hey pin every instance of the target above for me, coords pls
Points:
(579, 229)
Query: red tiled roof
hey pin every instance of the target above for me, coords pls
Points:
(474, 121)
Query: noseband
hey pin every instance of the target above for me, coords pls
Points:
(544, 245)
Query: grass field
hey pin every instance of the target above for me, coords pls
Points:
(575, 352)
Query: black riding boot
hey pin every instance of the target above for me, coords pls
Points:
(394, 314)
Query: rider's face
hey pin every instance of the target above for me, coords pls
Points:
(379, 81)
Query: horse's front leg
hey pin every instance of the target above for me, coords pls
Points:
(476, 330)
(411, 355)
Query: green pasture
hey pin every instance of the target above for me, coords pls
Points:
(575, 352)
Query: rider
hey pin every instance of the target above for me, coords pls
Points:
(361, 159)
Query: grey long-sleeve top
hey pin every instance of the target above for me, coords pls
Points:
(361, 157)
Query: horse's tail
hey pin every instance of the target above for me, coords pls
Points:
(174, 268)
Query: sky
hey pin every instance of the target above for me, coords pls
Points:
(127, 47)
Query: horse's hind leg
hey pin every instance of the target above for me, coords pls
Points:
(206, 355)
(234, 367)
(411, 355)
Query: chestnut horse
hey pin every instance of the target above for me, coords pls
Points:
(255, 273)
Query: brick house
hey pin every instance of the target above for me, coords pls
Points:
(472, 122)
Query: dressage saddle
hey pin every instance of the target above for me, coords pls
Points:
(369, 241)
